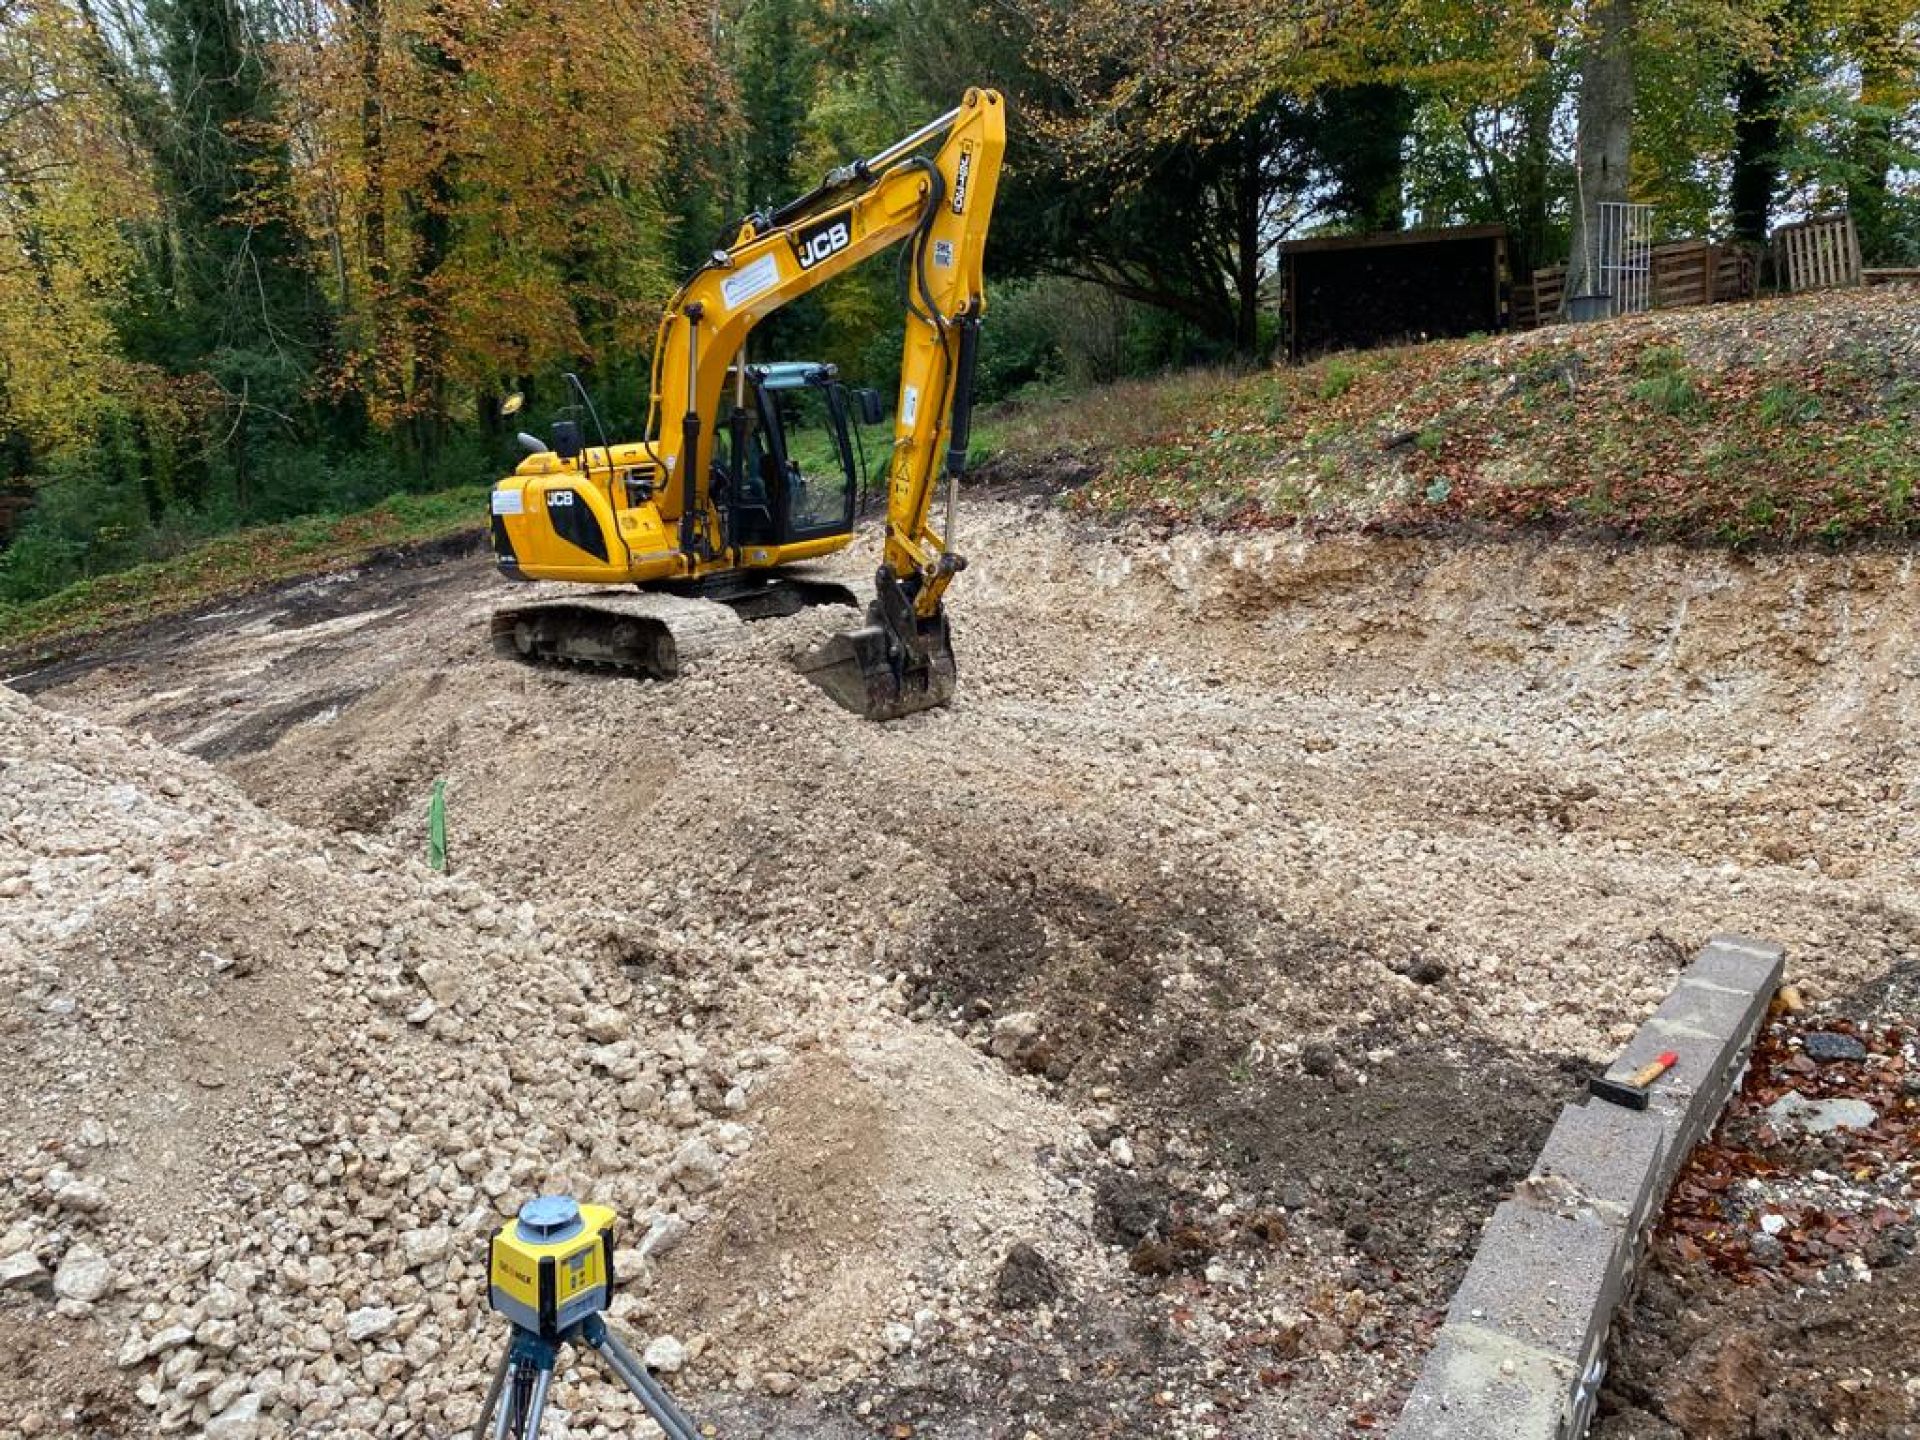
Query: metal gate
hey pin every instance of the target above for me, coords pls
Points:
(1625, 255)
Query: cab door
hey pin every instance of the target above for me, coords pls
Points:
(807, 467)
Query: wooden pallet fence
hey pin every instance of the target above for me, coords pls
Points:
(1700, 272)
(1819, 254)
(1537, 301)
(1736, 271)
(1684, 272)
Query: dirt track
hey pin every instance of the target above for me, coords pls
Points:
(1232, 940)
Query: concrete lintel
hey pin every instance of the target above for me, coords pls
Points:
(1609, 1154)
(1759, 949)
(1540, 1276)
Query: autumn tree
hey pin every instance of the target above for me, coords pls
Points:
(224, 289)
(502, 200)
(1882, 38)
(1254, 117)
(69, 185)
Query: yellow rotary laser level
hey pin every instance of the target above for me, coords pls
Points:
(553, 1266)
(550, 1272)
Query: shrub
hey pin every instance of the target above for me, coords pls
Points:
(1018, 349)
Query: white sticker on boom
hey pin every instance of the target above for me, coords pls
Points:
(508, 502)
(943, 254)
(758, 278)
(910, 405)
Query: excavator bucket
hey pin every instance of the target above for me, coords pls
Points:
(884, 671)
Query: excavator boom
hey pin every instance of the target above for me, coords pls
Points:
(680, 511)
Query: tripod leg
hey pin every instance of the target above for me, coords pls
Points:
(512, 1422)
(492, 1402)
(537, 1403)
(647, 1390)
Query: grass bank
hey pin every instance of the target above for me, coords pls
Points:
(235, 563)
(1788, 421)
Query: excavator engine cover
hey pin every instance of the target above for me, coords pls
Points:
(896, 664)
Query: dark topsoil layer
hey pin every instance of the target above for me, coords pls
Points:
(1392, 1164)
(1716, 1345)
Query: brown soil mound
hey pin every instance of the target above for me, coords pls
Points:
(898, 1170)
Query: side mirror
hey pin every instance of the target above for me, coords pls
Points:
(870, 405)
(566, 439)
(512, 405)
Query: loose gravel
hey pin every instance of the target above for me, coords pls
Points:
(1136, 1045)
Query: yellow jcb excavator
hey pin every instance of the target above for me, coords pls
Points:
(708, 514)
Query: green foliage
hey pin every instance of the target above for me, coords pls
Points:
(776, 67)
(230, 268)
(1788, 405)
(1472, 162)
(1359, 137)
(1665, 384)
(1052, 334)
(95, 512)
(1019, 344)
(1838, 152)
(235, 562)
(1337, 377)
(1671, 393)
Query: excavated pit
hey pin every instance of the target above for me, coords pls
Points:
(1230, 941)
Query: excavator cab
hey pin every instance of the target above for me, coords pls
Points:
(795, 472)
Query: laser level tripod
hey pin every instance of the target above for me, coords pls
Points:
(550, 1272)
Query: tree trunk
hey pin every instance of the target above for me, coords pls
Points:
(1756, 145)
(1246, 242)
(383, 383)
(242, 472)
(1605, 141)
(432, 209)
(367, 26)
